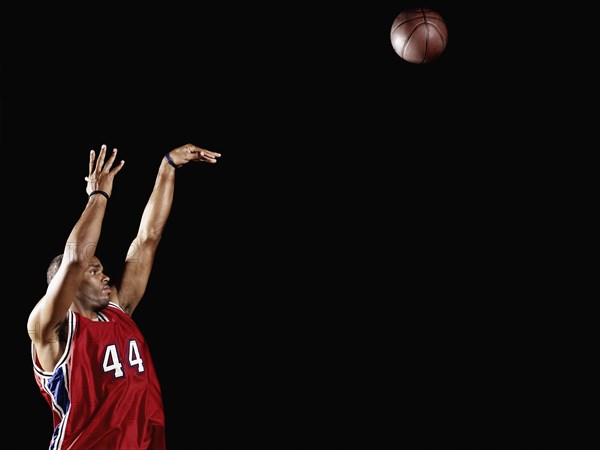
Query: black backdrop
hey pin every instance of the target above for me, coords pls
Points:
(303, 283)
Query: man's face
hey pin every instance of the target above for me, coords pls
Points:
(94, 289)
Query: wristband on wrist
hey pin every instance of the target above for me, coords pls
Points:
(99, 192)
(170, 160)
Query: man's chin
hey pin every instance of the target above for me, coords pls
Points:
(103, 303)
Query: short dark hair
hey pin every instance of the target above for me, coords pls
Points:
(53, 267)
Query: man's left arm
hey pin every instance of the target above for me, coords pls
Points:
(140, 257)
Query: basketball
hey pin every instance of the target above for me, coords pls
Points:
(419, 35)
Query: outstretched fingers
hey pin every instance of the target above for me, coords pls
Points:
(99, 164)
(109, 164)
(92, 161)
(101, 157)
(201, 154)
(206, 156)
(96, 163)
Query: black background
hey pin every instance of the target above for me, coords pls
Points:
(326, 275)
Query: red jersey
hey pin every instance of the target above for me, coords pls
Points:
(104, 392)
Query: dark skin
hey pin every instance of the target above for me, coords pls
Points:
(80, 283)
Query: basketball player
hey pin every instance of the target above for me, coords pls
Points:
(90, 360)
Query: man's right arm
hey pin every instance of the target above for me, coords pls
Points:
(51, 310)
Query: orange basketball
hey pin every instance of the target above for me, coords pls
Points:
(419, 35)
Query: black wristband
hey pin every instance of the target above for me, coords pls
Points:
(170, 160)
(99, 192)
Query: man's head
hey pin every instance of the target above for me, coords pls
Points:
(94, 290)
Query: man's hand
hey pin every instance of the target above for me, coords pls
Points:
(102, 174)
(192, 153)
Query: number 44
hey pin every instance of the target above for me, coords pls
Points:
(112, 362)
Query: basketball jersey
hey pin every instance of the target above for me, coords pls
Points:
(104, 392)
